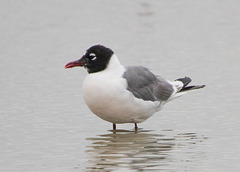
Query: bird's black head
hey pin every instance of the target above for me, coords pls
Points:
(94, 60)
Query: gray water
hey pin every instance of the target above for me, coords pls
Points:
(45, 125)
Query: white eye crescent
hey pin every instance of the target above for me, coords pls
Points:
(93, 55)
(94, 58)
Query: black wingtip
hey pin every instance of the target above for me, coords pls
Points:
(192, 87)
(186, 80)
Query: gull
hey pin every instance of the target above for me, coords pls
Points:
(120, 94)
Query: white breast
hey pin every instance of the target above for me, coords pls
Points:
(106, 95)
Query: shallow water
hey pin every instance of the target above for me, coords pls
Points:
(44, 122)
(144, 151)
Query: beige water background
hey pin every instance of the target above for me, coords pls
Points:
(45, 125)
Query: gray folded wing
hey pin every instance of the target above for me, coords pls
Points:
(147, 86)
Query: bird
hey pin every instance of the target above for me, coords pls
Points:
(125, 94)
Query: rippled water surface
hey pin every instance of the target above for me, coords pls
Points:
(44, 122)
(144, 151)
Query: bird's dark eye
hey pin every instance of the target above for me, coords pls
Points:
(92, 56)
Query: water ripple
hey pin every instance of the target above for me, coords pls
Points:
(139, 151)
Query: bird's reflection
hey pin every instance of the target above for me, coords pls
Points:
(134, 151)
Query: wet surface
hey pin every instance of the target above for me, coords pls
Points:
(44, 122)
(143, 151)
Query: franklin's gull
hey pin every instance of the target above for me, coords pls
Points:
(121, 94)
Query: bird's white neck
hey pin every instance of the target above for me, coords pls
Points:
(114, 65)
